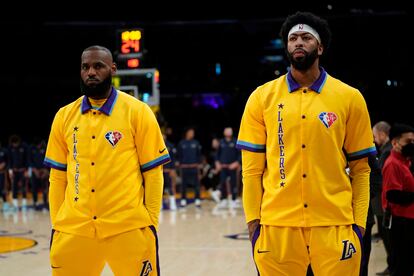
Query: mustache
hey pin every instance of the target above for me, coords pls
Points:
(94, 79)
(299, 49)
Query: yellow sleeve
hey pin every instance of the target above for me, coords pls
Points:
(57, 189)
(252, 142)
(359, 173)
(253, 165)
(252, 133)
(154, 182)
(57, 150)
(359, 141)
(149, 142)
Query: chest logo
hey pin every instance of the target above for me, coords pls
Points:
(328, 118)
(113, 137)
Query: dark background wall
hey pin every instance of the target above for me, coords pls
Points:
(41, 55)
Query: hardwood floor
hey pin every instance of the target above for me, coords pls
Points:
(206, 241)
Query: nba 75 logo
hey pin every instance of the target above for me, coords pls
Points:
(348, 250)
(146, 268)
(327, 118)
(113, 137)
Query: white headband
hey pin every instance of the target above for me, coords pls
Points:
(305, 28)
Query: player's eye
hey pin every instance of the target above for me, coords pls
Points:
(84, 67)
(98, 66)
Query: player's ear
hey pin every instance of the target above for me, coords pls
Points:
(113, 69)
(320, 49)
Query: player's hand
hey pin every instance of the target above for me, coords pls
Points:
(252, 225)
(362, 230)
(234, 165)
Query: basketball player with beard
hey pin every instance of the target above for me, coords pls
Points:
(106, 154)
(298, 133)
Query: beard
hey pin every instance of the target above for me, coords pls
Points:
(98, 90)
(305, 62)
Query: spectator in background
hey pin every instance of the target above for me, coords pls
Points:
(170, 134)
(39, 173)
(4, 177)
(398, 198)
(211, 179)
(381, 131)
(170, 174)
(228, 163)
(189, 160)
(18, 168)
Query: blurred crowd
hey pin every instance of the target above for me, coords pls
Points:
(23, 174)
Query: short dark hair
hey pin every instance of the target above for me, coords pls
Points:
(316, 22)
(188, 128)
(397, 130)
(99, 48)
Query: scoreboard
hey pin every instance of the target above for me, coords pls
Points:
(129, 48)
(131, 77)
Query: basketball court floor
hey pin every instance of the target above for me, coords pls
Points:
(193, 242)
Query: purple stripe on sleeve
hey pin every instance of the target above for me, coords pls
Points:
(51, 165)
(155, 164)
(244, 147)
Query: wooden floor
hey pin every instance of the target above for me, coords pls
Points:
(206, 241)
